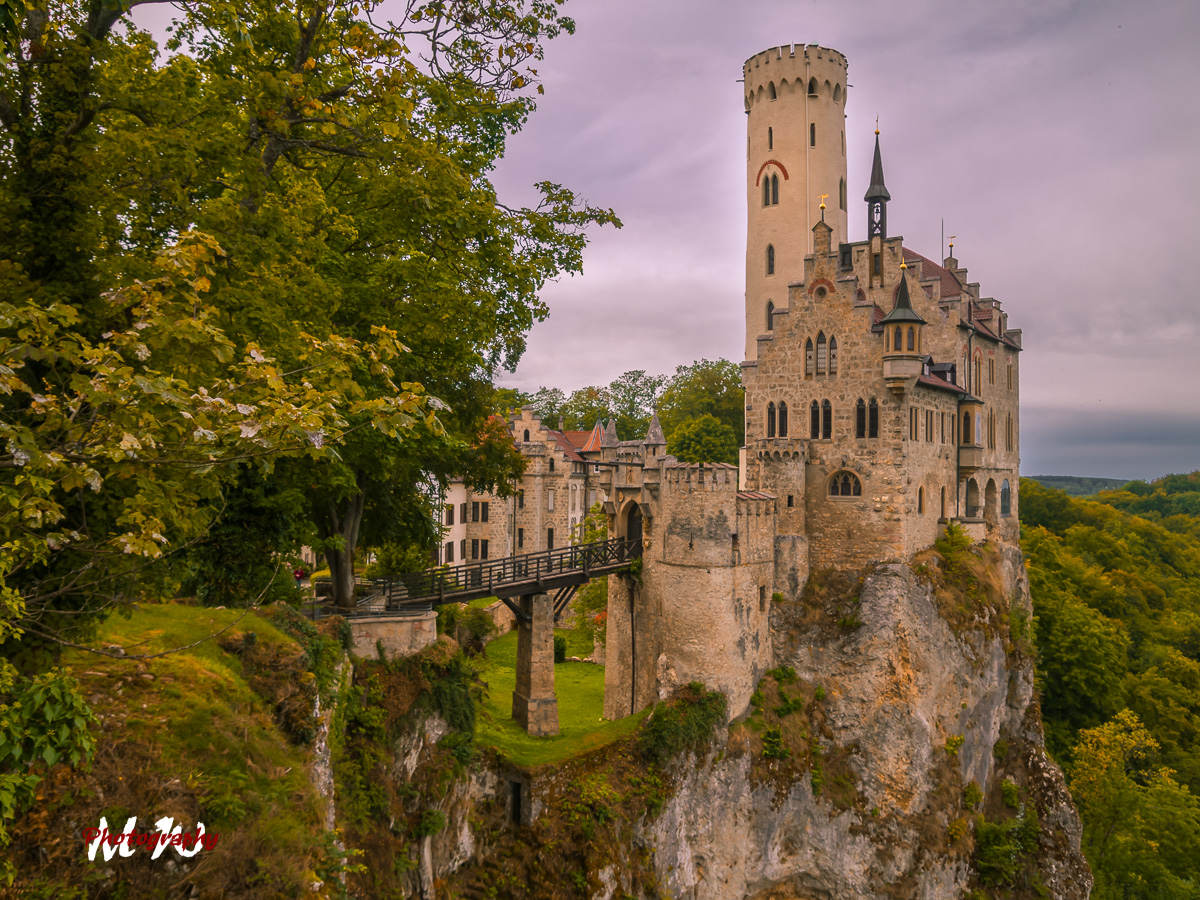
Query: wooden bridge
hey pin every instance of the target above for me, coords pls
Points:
(536, 588)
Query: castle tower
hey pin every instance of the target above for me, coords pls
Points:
(795, 98)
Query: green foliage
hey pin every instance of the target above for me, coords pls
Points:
(591, 600)
(957, 829)
(1011, 793)
(953, 743)
(773, 747)
(683, 724)
(1002, 849)
(819, 693)
(1000, 750)
(1076, 486)
(432, 821)
(972, 795)
(705, 388)
(560, 649)
(392, 560)
(705, 439)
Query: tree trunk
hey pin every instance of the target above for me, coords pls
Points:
(343, 522)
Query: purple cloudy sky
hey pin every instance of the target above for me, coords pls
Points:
(1058, 138)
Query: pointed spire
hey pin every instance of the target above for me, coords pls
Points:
(902, 311)
(654, 435)
(595, 438)
(610, 438)
(877, 190)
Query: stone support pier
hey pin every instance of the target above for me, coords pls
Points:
(535, 707)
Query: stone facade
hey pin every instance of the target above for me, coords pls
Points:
(400, 635)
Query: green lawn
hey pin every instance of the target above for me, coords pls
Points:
(580, 690)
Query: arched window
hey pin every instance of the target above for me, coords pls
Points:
(842, 194)
(920, 500)
(814, 429)
(782, 419)
(774, 189)
(837, 98)
(770, 420)
(833, 356)
(552, 466)
(527, 435)
(812, 87)
(966, 429)
(1005, 499)
(912, 339)
(898, 340)
(873, 419)
(978, 383)
(770, 316)
(991, 431)
(771, 90)
(822, 353)
(826, 420)
(812, 134)
(1008, 433)
(808, 358)
(845, 484)
(860, 419)
(943, 512)
(766, 192)
(770, 259)
(770, 139)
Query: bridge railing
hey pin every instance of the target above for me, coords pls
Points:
(497, 575)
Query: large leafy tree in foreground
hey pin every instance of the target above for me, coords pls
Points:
(340, 159)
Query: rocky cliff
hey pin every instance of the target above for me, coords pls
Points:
(895, 751)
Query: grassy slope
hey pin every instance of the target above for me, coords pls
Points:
(184, 735)
(580, 689)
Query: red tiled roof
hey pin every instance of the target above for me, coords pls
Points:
(930, 269)
(565, 446)
(877, 315)
(577, 438)
(755, 495)
(934, 382)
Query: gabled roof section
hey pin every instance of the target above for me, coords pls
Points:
(902, 311)
(938, 384)
(564, 444)
(654, 434)
(927, 268)
(595, 436)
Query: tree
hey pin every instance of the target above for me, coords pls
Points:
(548, 404)
(704, 440)
(585, 406)
(706, 387)
(633, 396)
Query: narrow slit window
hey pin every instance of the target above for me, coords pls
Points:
(826, 420)
(822, 353)
(783, 419)
(809, 358)
(770, 420)
(833, 356)
(770, 259)
(774, 189)
(814, 430)
(770, 316)
(860, 419)
(770, 139)
(812, 134)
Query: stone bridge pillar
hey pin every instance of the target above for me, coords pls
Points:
(535, 707)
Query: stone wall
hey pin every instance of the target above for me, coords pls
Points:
(400, 635)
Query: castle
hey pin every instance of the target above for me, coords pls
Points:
(881, 405)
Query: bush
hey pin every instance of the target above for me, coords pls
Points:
(560, 648)
(1011, 793)
(972, 795)
(1001, 847)
(432, 821)
(773, 745)
(685, 723)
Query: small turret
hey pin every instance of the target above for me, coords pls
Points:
(609, 438)
(877, 197)
(902, 357)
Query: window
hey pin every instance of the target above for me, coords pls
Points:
(770, 260)
(766, 192)
(826, 420)
(943, 506)
(860, 419)
(822, 353)
(845, 484)
(966, 429)
(1008, 433)
(550, 500)
(520, 499)
(812, 134)
(877, 264)
(978, 382)
(929, 426)
(770, 420)
(475, 511)
(770, 139)
(873, 419)
(1010, 378)
(762, 598)
(842, 187)
(920, 500)
(527, 435)
(942, 428)
(449, 552)
(770, 315)
(833, 356)
(483, 549)
(1005, 499)
(774, 189)
(782, 419)
(551, 465)
(462, 509)
(791, 501)
(475, 549)
(484, 511)
(991, 430)
(912, 423)
(520, 538)
(812, 87)
(912, 339)
(771, 90)
(991, 371)
(449, 513)
(549, 538)
(837, 93)
(814, 430)
(808, 358)
(898, 341)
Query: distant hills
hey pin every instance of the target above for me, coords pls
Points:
(1078, 486)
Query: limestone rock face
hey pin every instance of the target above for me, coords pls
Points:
(897, 689)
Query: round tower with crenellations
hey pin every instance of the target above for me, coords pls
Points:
(795, 100)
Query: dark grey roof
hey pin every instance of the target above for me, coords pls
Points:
(902, 311)
(877, 190)
(654, 435)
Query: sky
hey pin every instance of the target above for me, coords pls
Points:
(1056, 138)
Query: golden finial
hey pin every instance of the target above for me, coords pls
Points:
(877, 124)
(823, 196)
(903, 265)
(952, 237)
